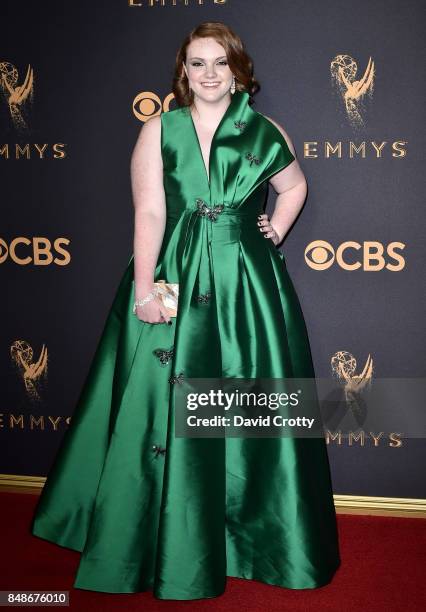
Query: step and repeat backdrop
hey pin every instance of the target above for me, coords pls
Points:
(77, 82)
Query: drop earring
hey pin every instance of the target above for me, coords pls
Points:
(233, 85)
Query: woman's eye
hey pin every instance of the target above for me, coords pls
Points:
(196, 64)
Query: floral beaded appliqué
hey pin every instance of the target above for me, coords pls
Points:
(203, 298)
(240, 125)
(158, 450)
(252, 158)
(176, 379)
(206, 211)
(164, 355)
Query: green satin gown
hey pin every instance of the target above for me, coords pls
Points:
(151, 511)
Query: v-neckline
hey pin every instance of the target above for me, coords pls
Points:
(207, 169)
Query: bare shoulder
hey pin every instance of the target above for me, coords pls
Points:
(153, 124)
(283, 132)
(147, 168)
(150, 132)
(147, 149)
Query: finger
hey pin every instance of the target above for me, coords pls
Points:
(263, 221)
(165, 315)
(263, 224)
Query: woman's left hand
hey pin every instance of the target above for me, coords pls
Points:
(266, 227)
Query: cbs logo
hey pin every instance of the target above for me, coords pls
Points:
(147, 104)
(370, 256)
(38, 250)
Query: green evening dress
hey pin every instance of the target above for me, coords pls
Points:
(151, 511)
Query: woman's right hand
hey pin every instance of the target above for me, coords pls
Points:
(153, 312)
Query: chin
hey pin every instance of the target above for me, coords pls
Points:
(216, 92)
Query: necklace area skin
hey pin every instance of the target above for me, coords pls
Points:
(207, 165)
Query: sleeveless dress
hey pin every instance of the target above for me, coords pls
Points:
(151, 511)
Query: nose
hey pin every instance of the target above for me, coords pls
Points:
(210, 70)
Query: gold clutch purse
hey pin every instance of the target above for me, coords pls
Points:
(168, 294)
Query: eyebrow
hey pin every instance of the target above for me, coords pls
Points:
(201, 58)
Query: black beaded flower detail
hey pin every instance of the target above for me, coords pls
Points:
(252, 158)
(164, 355)
(176, 379)
(240, 125)
(206, 211)
(158, 450)
(203, 298)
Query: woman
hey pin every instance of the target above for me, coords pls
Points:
(147, 509)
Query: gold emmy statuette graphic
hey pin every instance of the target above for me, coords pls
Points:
(343, 70)
(15, 94)
(31, 372)
(343, 366)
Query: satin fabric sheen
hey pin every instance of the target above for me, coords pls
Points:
(177, 522)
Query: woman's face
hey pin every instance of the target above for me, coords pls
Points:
(207, 69)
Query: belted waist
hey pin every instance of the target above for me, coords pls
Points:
(218, 214)
(240, 212)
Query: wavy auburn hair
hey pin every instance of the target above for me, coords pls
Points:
(238, 60)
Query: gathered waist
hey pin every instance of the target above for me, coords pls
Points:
(217, 214)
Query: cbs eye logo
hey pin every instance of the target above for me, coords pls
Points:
(147, 104)
(38, 250)
(370, 256)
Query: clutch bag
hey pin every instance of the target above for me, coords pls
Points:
(168, 294)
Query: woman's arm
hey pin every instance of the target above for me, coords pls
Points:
(291, 187)
(149, 202)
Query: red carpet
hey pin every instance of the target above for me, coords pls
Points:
(383, 568)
